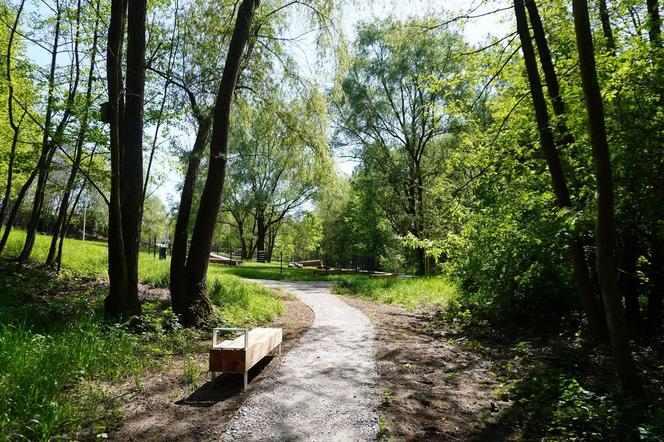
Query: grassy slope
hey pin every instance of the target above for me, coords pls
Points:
(410, 293)
(56, 347)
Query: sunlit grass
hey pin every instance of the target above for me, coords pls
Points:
(57, 348)
(410, 293)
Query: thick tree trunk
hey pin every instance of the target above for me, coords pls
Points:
(180, 236)
(117, 302)
(588, 298)
(605, 230)
(199, 308)
(261, 232)
(132, 172)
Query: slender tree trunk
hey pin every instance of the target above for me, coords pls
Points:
(65, 227)
(654, 29)
(47, 149)
(117, 302)
(60, 221)
(199, 307)
(656, 292)
(606, 26)
(16, 207)
(628, 283)
(10, 114)
(180, 237)
(605, 230)
(589, 298)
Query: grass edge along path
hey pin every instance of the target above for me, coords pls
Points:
(57, 349)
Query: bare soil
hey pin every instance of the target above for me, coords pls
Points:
(434, 386)
(163, 407)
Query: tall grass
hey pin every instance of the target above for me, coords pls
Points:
(56, 347)
(410, 293)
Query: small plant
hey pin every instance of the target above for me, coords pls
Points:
(387, 398)
(190, 372)
(383, 429)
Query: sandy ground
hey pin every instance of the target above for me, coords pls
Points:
(161, 407)
(325, 388)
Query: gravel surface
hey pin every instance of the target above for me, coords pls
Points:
(325, 388)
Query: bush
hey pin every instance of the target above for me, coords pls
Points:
(512, 264)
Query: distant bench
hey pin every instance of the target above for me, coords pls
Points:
(240, 354)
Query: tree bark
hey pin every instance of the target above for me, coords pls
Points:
(605, 230)
(199, 306)
(132, 172)
(117, 302)
(656, 292)
(583, 281)
(628, 283)
(180, 236)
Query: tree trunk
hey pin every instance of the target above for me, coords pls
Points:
(10, 114)
(654, 29)
(60, 223)
(606, 26)
(47, 149)
(16, 207)
(199, 306)
(117, 302)
(628, 283)
(261, 232)
(180, 236)
(656, 292)
(604, 235)
(132, 172)
(65, 227)
(588, 298)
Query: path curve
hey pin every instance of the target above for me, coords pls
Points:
(325, 387)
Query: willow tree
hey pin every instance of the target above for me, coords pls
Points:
(395, 121)
(280, 161)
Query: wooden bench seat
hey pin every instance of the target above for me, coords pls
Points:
(240, 354)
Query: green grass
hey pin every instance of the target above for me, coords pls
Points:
(57, 349)
(410, 293)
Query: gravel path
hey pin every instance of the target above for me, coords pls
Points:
(325, 387)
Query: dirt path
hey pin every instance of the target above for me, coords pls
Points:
(325, 388)
(162, 406)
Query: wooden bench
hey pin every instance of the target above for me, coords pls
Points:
(240, 354)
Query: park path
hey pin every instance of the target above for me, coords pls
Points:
(325, 387)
